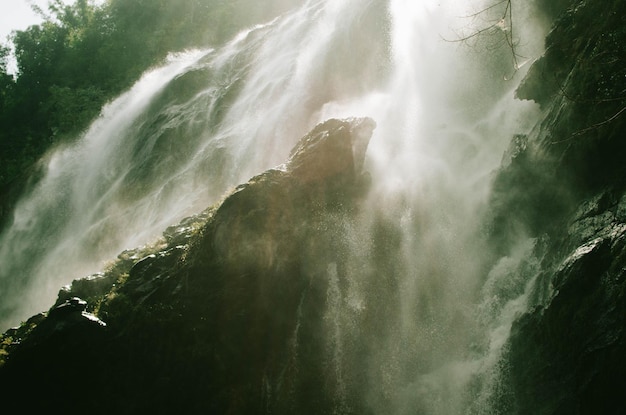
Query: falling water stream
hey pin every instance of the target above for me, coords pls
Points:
(207, 120)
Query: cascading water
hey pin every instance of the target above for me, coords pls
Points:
(208, 120)
(169, 147)
(419, 246)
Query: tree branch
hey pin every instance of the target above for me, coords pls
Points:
(504, 24)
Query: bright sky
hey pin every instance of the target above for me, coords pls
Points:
(17, 15)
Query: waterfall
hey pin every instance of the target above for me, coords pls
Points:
(207, 120)
(431, 158)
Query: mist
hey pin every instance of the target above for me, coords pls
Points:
(189, 131)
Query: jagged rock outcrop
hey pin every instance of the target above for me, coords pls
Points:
(216, 316)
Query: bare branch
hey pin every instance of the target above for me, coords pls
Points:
(600, 124)
(503, 25)
(478, 13)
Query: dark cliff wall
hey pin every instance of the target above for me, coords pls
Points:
(566, 186)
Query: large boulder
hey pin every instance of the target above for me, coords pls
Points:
(220, 314)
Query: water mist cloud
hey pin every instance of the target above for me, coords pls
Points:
(414, 262)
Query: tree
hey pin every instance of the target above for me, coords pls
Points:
(6, 80)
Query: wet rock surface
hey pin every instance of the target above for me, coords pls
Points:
(567, 355)
(210, 318)
(567, 187)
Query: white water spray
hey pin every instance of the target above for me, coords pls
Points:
(160, 152)
(432, 156)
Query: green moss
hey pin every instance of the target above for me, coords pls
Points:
(14, 337)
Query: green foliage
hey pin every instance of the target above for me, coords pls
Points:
(6, 80)
(72, 108)
(14, 336)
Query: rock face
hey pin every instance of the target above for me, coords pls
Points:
(567, 187)
(567, 353)
(216, 316)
